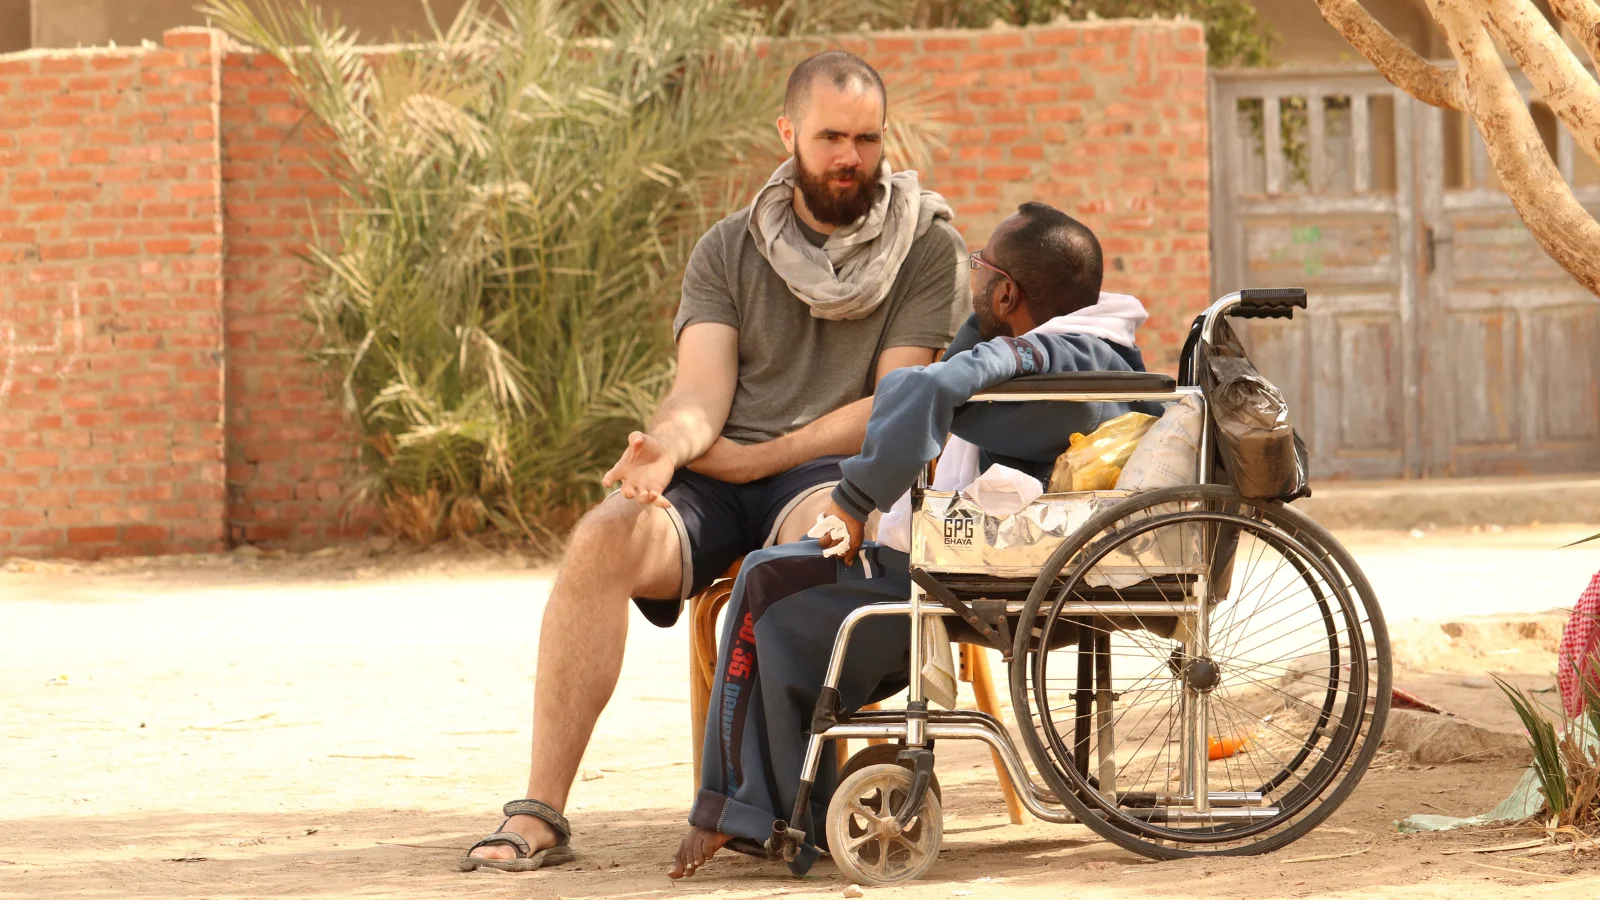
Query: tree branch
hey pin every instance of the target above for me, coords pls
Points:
(1583, 17)
(1397, 62)
(1573, 94)
(1542, 198)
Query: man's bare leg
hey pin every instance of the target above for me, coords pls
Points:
(581, 642)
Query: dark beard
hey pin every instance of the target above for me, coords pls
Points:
(990, 326)
(828, 205)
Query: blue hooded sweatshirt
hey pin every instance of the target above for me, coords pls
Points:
(916, 409)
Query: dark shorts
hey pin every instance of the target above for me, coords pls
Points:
(719, 522)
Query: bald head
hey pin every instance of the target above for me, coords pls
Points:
(844, 71)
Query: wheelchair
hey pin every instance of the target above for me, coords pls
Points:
(1192, 672)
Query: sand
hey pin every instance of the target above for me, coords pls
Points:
(342, 725)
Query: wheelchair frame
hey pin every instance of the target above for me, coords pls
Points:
(916, 726)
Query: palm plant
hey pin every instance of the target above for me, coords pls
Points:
(517, 197)
(1566, 764)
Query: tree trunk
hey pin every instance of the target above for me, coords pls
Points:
(1541, 196)
(1583, 17)
(1397, 62)
(1573, 94)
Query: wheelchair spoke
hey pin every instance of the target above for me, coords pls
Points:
(881, 868)
(854, 843)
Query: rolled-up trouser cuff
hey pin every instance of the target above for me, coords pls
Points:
(725, 815)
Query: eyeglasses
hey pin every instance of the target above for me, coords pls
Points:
(974, 261)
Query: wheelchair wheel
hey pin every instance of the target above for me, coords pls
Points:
(882, 755)
(1219, 641)
(863, 836)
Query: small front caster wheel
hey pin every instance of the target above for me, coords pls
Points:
(864, 837)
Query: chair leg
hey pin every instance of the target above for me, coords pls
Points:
(976, 662)
(873, 742)
(699, 692)
(703, 611)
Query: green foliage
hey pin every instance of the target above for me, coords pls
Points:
(1548, 765)
(1235, 35)
(1567, 766)
(518, 197)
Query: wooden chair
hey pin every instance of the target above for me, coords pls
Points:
(704, 608)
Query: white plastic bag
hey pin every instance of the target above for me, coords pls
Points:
(1169, 453)
(1004, 491)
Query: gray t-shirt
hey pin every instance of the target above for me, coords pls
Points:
(794, 367)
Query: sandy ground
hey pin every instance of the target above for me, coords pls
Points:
(342, 725)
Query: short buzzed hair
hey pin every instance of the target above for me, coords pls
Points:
(1055, 259)
(840, 69)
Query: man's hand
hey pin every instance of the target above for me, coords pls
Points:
(851, 525)
(645, 470)
(731, 462)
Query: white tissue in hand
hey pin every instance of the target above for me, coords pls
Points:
(1004, 491)
(834, 527)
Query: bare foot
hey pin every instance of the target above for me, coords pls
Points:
(699, 845)
(536, 832)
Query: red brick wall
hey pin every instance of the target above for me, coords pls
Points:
(290, 452)
(154, 391)
(1104, 120)
(110, 326)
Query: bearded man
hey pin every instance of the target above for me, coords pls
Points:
(793, 309)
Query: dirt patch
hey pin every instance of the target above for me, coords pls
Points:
(343, 727)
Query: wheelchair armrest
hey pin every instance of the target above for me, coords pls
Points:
(1088, 383)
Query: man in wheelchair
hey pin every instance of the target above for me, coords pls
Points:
(1037, 309)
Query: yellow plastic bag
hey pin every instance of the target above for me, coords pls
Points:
(1093, 462)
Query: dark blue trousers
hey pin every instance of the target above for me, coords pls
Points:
(784, 613)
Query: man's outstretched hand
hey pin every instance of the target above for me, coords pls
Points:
(644, 470)
(854, 527)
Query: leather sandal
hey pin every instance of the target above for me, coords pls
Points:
(527, 859)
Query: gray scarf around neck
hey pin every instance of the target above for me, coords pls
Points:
(848, 276)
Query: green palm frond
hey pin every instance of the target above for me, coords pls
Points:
(1548, 764)
(517, 199)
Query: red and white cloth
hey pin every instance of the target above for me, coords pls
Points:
(1579, 640)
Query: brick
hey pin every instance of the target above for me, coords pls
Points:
(146, 533)
(111, 63)
(95, 534)
(1002, 41)
(89, 155)
(35, 459)
(116, 248)
(193, 38)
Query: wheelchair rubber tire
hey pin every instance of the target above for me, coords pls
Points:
(865, 852)
(882, 755)
(1333, 557)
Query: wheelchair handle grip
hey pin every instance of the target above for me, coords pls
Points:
(1261, 312)
(1272, 298)
(1268, 303)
